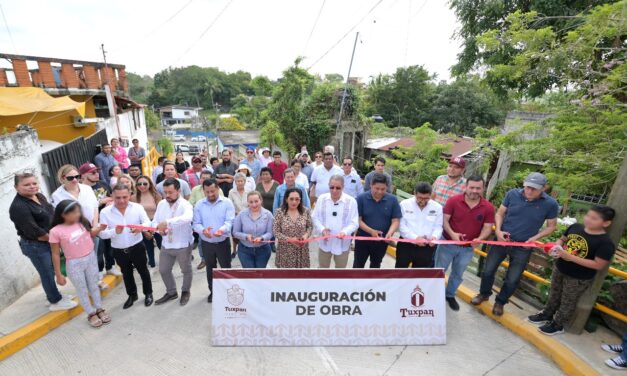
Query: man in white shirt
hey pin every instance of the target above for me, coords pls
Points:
(335, 215)
(422, 220)
(320, 177)
(352, 181)
(169, 172)
(173, 219)
(127, 244)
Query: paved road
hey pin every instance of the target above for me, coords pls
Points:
(174, 340)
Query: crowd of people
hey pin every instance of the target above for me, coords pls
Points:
(105, 213)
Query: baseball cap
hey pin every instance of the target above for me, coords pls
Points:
(535, 180)
(458, 161)
(250, 149)
(304, 153)
(196, 159)
(86, 168)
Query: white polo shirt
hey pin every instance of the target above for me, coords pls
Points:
(417, 222)
(321, 176)
(86, 197)
(133, 215)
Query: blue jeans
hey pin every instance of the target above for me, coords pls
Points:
(254, 257)
(150, 247)
(459, 257)
(40, 255)
(518, 259)
(624, 353)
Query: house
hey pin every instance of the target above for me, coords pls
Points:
(101, 88)
(238, 141)
(460, 146)
(176, 114)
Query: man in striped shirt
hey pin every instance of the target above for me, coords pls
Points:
(451, 184)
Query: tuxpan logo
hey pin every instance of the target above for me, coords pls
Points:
(235, 298)
(417, 300)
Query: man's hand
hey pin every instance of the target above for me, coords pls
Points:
(421, 240)
(431, 243)
(219, 232)
(148, 235)
(249, 238)
(532, 239)
(135, 231)
(207, 232)
(376, 233)
(119, 229)
(61, 280)
(162, 226)
(258, 239)
(502, 236)
(457, 236)
(106, 201)
(340, 235)
(564, 255)
(475, 244)
(326, 232)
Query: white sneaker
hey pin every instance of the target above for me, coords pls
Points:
(62, 305)
(114, 271)
(102, 285)
(63, 297)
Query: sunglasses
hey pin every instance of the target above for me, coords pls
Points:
(143, 184)
(249, 152)
(70, 178)
(318, 156)
(335, 188)
(347, 164)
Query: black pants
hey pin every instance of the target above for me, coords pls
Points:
(105, 255)
(214, 252)
(419, 256)
(364, 249)
(134, 256)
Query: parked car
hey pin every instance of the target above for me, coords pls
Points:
(194, 149)
(182, 148)
(202, 139)
(179, 137)
(194, 139)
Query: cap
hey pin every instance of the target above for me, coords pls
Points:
(196, 159)
(265, 150)
(458, 161)
(86, 168)
(535, 180)
(243, 167)
(304, 153)
(250, 149)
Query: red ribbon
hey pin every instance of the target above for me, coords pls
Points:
(544, 246)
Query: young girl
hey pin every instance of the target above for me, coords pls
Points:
(114, 172)
(73, 233)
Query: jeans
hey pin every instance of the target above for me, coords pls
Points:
(254, 257)
(131, 258)
(364, 249)
(150, 249)
(40, 255)
(459, 257)
(624, 353)
(518, 259)
(105, 255)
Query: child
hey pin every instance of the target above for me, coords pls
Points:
(586, 249)
(72, 233)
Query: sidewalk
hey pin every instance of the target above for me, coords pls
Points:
(172, 340)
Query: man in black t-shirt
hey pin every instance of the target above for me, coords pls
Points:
(580, 252)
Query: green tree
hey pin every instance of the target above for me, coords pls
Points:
(139, 87)
(231, 124)
(421, 162)
(152, 120)
(334, 77)
(403, 98)
(262, 86)
(465, 104)
(478, 17)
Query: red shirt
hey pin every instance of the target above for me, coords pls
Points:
(465, 220)
(277, 171)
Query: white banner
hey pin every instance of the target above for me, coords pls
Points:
(327, 307)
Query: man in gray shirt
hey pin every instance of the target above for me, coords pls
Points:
(379, 167)
(169, 172)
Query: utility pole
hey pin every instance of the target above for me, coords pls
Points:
(109, 93)
(617, 200)
(339, 117)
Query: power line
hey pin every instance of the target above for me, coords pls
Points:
(6, 25)
(419, 9)
(346, 34)
(153, 31)
(204, 31)
(314, 26)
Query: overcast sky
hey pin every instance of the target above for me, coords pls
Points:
(258, 36)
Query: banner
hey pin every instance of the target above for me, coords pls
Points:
(328, 307)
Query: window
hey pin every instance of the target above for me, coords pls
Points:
(186, 113)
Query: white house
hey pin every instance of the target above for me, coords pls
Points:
(178, 114)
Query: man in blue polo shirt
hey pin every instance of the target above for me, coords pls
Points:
(379, 216)
(519, 218)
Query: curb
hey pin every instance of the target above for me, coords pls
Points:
(31, 332)
(569, 362)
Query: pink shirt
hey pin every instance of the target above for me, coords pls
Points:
(74, 239)
(121, 156)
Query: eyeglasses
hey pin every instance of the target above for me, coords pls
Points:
(347, 164)
(143, 184)
(335, 188)
(249, 152)
(70, 178)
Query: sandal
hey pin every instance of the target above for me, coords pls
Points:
(103, 316)
(94, 320)
(103, 285)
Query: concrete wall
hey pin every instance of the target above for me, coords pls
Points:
(132, 124)
(19, 152)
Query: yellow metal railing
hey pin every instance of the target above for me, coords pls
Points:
(599, 307)
(152, 160)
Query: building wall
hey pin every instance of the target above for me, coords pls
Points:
(19, 152)
(180, 113)
(132, 124)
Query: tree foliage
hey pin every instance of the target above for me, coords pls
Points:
(139, 87)
(421, 162)
(231, 124)
(152, 120)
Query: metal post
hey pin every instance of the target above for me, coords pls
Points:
(617, 200)
(339, 117)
